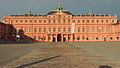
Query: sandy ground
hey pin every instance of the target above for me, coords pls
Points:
(109, 50)
(67, 55)
(11, 52)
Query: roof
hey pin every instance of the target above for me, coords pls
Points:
(59, 12)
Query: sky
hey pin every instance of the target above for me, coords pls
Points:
(42, 7)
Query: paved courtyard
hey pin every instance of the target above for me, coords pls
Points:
(66, 55)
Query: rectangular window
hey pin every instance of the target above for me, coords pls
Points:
(78, 29)
(59, 20)
(92, 29)
(83, 29)
(88, 29)
(21, 21)
(39, 29)
(5, 20)
(64, 29)
(107, 29)
(78, 21)
(59, 30)
(35, 29)
(54, 30)
(64, 20)
(44, 29)
(12, 21)
(26, 21)
(49, 21)
(54, 21)
(83, 37)
(73, 21)
(92, 37)
(68, 20)
(16, 21)
(102, 29)
(49, 29)
(69, 30)
(30, 29)
(112, 21)
(98, 29)
(26, 29)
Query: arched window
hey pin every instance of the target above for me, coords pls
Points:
(44, 21)
(30, 21)
(78, 21)
(106, 21)
(26, 21)
(21, 21)
(102, 21)
(35, 21)
(83, 21)
(97, 21)
(12, 21)
(78, 38)
(92, 21)
(111, 38)
(117, 38)
(97, 38)
(88, 21)
(16, 21)
(40, 21)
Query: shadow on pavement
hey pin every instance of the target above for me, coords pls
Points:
(40, 61)
(105, 66)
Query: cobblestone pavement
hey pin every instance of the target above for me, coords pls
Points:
(61, 55)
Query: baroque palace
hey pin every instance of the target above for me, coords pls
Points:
(62, 26)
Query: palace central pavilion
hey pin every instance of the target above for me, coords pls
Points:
(62, 26)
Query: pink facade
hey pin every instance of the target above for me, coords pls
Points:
(57, 26)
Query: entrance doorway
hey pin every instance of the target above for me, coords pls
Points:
(64, 39)
(53, 39)
(59, 38)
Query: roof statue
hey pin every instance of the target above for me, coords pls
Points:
(59, 6)
(59, 10)
(90, 12)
